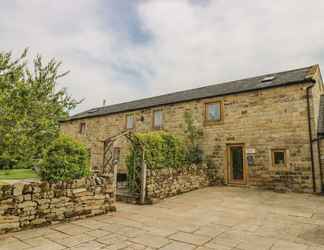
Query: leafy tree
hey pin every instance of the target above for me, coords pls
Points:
(31, 106)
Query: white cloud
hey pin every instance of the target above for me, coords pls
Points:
(228, 40)
(190, 44)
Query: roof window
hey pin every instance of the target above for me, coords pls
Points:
(92, 110)
(268, 79)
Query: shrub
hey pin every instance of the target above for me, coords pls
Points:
(65, 159)
(161, 150)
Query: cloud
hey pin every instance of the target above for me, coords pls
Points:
(123, 50)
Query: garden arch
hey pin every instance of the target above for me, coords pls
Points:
(110, 162)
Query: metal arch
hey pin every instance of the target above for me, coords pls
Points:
(108, 164)
(109, 167)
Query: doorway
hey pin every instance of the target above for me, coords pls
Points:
(236, 164)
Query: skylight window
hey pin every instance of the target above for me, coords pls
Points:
(92, 110)
(268, 79)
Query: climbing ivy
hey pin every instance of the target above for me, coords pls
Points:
(194, 134)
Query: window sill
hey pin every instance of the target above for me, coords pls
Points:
(211, 123)
(284, 168)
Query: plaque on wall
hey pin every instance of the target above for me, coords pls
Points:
(250, 150)
(250, 159)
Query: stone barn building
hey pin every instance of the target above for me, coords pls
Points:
(263, 131)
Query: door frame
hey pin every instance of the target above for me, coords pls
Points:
(229, 165)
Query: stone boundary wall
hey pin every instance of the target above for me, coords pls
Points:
(164, 183)
(34, 204)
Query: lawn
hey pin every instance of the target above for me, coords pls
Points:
(17, 174)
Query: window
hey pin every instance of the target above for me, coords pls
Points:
(116, 154)
(157, 119)
(82, 128)
(279, 157)
(129, 121)
(213, 112)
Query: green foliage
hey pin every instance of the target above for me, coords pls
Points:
(65, 159)
(31, 106)
(194, 153)
(161, 150)
(164, 150)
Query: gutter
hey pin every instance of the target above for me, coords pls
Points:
(310, 136)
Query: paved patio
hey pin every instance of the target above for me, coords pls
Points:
(212, 218)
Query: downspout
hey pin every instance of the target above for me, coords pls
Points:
(310, 137)
(319, 160)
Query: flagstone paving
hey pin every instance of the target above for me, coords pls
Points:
(223, 218)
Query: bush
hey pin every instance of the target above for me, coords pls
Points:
(162, 150)
(65, 159)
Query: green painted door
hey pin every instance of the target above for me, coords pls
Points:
(236, 164)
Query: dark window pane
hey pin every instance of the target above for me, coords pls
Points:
(279, 157)
(237, 163)
(82, 128)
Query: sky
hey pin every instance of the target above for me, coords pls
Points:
(121, 50)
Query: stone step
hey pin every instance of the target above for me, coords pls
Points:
(123, 195)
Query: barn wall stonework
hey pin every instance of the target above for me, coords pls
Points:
(262, 120)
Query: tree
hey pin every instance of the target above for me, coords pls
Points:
(31, 106)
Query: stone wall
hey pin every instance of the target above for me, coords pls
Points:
(164, 183)
(261, 121)
(26, 205)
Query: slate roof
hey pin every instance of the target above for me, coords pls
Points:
(321, 117)
(249, 84)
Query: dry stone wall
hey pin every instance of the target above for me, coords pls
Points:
(27, 205)
(166, 182)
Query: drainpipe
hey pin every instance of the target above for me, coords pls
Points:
(319, 138)
(310, 137)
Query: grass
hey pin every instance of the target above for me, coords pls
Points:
(17, 174)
